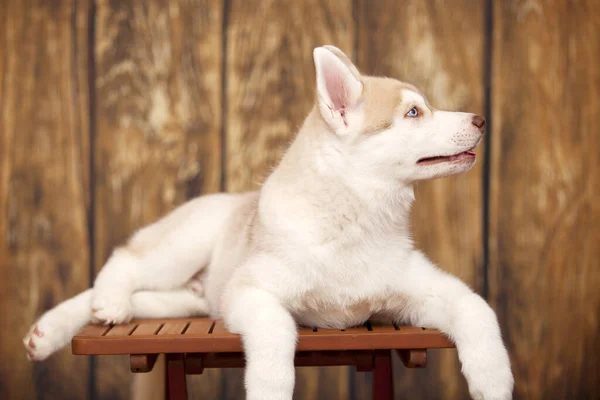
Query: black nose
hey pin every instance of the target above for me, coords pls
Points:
(479, 122)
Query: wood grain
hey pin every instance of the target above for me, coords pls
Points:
(158, 121)
(438, 47)
(157, 72)
(44, 186)
(271, 79)
(122, 339)
(270, 90)
(545, 219)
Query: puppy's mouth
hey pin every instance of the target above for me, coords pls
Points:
(468, 155)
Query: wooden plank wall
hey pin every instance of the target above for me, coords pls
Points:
(44, 185)
(114, 112)
(545, 181)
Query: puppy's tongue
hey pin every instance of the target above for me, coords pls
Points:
(459, 156)
(439, 159)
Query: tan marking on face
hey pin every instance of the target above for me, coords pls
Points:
(381, 97)
(415, 89)
(383, 102)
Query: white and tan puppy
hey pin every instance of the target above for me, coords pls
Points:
(325, 242)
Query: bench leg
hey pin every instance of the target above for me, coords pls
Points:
(176, 388)
(383, 388)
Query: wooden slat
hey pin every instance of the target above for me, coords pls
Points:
(386, 329)
(44, 185)
(382, 338)
(200, 327)
(121, 330)
(172, 328)
(147, 328)
(219, 330)
(304, 331)
(545, 212)
(158, 122)
(438, 46)
(170, 340)
(270, 90)
(94, 330)
(196, 339)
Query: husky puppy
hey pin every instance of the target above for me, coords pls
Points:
(324, 243)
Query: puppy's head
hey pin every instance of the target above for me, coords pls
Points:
(387, 128)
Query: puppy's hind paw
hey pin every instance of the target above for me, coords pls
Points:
(38, 345)
(111, 310)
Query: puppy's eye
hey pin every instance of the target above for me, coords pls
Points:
(413, 112)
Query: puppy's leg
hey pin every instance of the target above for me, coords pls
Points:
(180, 303)
(269, 335)
(432, 298)
(162, 256)
(55, 329)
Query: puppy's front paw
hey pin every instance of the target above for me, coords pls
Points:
(111, 309)
(490, 377)
(492, 386)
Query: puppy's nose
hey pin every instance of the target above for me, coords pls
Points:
(479, 122)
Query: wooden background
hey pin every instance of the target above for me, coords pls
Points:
(115, 111)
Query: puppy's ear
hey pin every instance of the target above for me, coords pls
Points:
(344, 58)
(339, 87)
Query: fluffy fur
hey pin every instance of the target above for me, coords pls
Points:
(325, 242)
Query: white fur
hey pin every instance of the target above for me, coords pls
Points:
(325, 243)
(338, 89)
(56, 328)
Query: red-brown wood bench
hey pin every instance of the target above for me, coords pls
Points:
(193, 344)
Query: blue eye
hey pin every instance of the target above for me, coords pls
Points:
(413, 112)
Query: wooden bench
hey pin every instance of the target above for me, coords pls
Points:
(193, 344)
